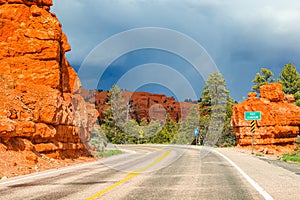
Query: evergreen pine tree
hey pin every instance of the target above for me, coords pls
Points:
(214, 110)
(186, 129)
(167, 133)
(290, 81)
(262, 78)
(115, 116)
(228, 137)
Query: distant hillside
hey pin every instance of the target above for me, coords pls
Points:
(142, 105)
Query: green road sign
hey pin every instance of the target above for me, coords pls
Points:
(252, 115)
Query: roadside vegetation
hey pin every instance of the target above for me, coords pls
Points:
(215, 105)
(293, 157)
(211, 115)
(259, 155)
(289, 78)
(108, 153)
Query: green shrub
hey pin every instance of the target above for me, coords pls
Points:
(291, 157)
(260, 155)
(109, 153)
(98, 140)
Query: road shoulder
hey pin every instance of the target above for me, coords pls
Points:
(279, 182)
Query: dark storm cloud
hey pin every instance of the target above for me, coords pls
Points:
(240, 36)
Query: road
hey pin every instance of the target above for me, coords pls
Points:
(143, 172)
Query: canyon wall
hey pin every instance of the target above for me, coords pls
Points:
(144, 105)
(41, 110)
(280, 118)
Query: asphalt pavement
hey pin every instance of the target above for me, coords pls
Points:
(160, 172)
(279, 179)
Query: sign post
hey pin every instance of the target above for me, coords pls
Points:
(252, 125)
(253, 116)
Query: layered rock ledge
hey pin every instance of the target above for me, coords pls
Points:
(41, 110)
(143, 105)
(280, 118)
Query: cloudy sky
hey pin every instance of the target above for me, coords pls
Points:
(171, 45)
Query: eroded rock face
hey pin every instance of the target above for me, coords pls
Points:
(146, 105)
(40, 108)
(280, 119)
(40, 3)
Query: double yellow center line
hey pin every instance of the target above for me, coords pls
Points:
(131, 175)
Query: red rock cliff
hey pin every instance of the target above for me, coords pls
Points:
(280, 118)
(40, 109)
(146, 105)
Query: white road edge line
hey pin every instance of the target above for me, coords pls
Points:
(52, 171)
(44, 173)
(127, 151)
(266, 195)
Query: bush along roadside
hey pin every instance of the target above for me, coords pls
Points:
(293, 157)
(108, 153)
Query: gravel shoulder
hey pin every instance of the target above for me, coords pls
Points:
(281, 180)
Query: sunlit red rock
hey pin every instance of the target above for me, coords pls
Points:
(272, 92)
(40, 108)
(280, 119)
(145, 105)
(45, 4)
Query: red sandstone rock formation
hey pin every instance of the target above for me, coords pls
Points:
(280, 119)
(146, 105)
(40, 109)
(40, 3)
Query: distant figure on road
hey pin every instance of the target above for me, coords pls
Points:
(196, 135)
